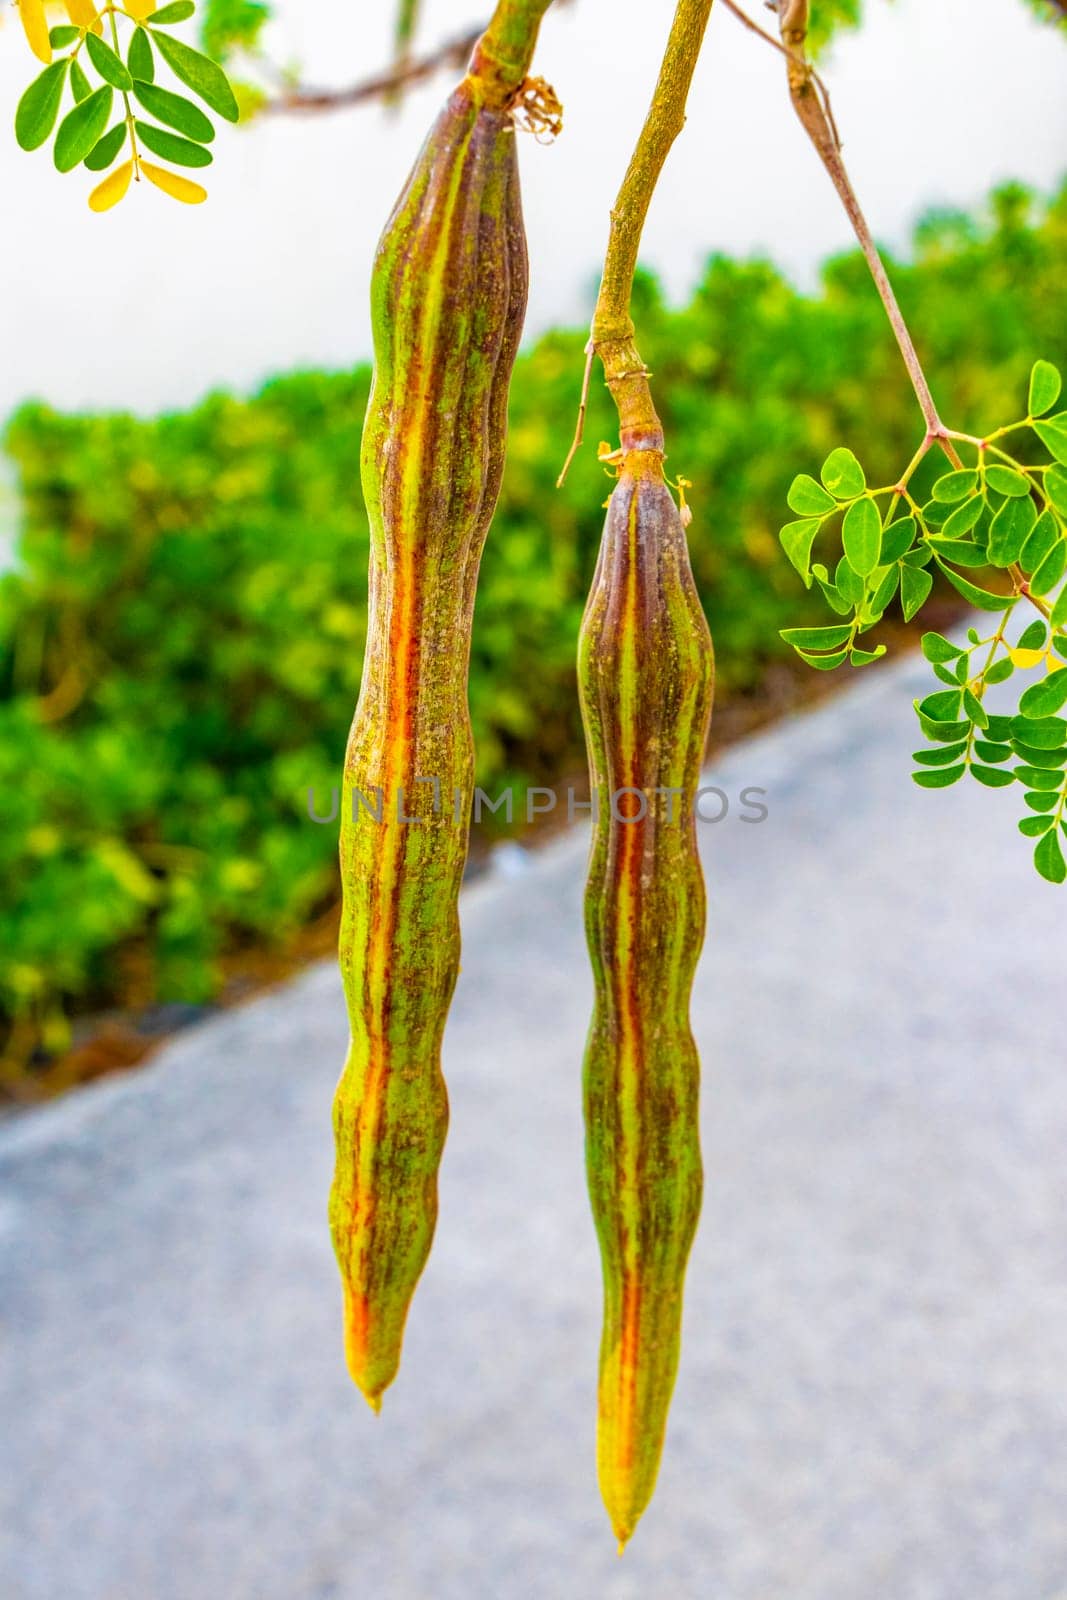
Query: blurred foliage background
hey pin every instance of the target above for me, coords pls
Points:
(182, 627)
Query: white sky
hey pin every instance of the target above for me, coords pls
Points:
(154, 303)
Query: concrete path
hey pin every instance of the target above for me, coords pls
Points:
(873, 1397)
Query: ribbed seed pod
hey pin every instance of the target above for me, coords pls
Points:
(448, 300)
(646, 680)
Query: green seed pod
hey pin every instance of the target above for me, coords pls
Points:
(646, 680)
(448, 300)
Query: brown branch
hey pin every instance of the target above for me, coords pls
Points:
(452, 53)
(507, 31)
(812, 106)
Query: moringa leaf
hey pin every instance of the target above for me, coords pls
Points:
(139, 57)
(168, 145)
(106, 149)
(796, 540)
(176, 111)
(81, 129)
(202, 75)
(938, 777)
(955, 486)
(808, 498)
(110, 66)
(817, 638)
(1005, 480)
(1044, 699)
(1048, 858)
(39, 107)
(1053, 435)
(942, 756)
(982, 598)
(1051, 569)
(843, 475)
(1044, 387)
(915, 586)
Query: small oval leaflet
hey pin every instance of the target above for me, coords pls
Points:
(176, 111)
(81, 129)
(817, 638)
(139, 58)
(1051, 569)
(107, 63)
(939, 777)
(1053, 434)
(1005, 480)
(897, 539)
(200, 74)
(843, 475)
(915, 586)
(808, 498)
(955, 486)
(964, 517)
(992, 777)
(861, 536)
(1044, 699)
(935, 647)
(173, 148)
(797, 539)
(1044, 387)
(37, 110)
(943, 756)
(106, 149)
(179, 188)
(1048, 858)
(942, 706)
(1043, 733)
(178, 11)
(113, 188)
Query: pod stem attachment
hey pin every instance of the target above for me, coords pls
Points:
(503, 54)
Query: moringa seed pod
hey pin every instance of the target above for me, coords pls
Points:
(448, 301)
(646, 680)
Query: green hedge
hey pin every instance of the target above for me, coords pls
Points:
(180, 645)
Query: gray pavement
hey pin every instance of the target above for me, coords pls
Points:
(873, 1395)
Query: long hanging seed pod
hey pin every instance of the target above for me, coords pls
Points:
(646, 674)
(646, 677)
(448, 300)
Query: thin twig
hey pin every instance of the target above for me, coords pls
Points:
(452, 53)
(818, 125)
(504, 44)
(753, 27)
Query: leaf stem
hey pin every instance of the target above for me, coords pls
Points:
(134, 152)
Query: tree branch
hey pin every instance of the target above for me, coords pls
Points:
(813, 112)
(452, 53)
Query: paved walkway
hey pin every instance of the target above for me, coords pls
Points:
(873, 1398)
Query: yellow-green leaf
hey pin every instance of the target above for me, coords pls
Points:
(183, 189)
(113, 188)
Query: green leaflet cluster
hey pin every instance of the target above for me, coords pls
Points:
(152, 118)
(996, 519)
(1029, 749)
